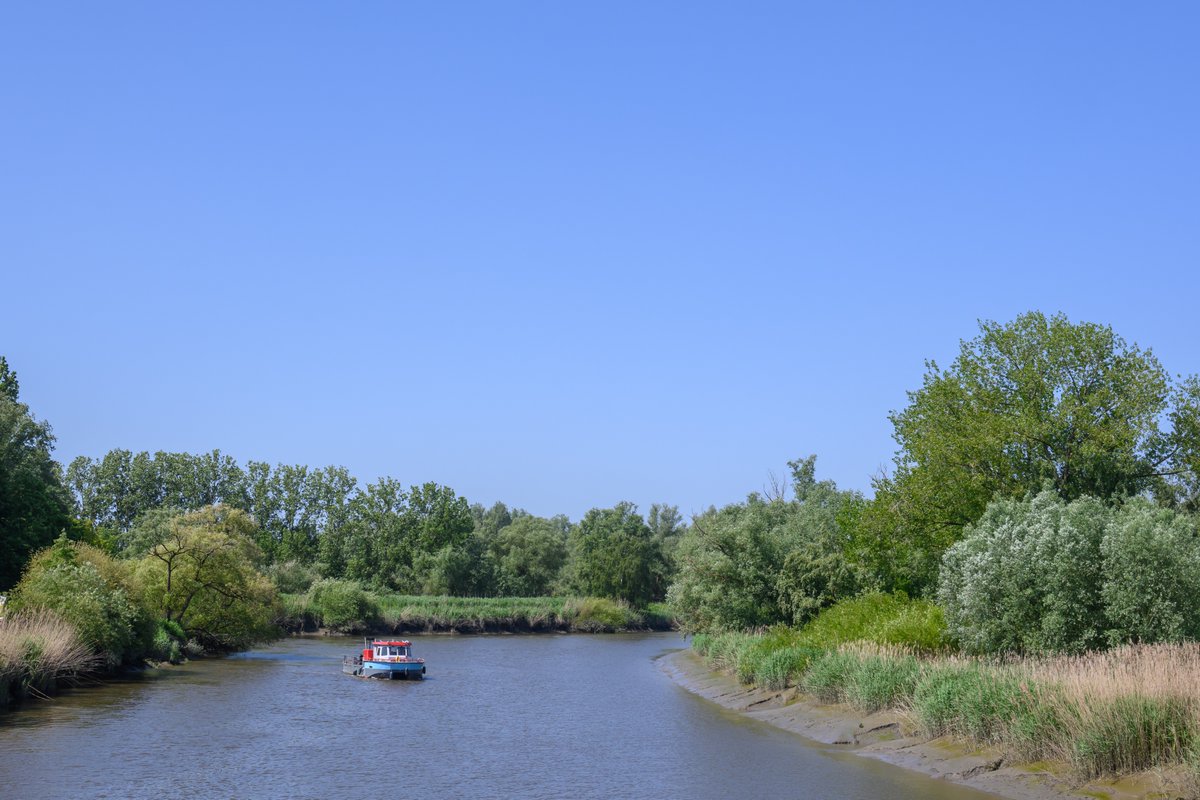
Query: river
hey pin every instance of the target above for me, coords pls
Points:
(550, 716)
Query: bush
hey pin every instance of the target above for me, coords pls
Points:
(292, 577)
(342, 605)
(1151, 576)
(68, 580)
(886, 619)
(1043, 576)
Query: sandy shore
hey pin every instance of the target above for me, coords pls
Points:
(890, 737)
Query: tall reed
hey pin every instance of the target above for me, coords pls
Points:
(37, 649)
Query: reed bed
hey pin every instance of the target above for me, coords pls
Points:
(1108, 713)
(37, 650)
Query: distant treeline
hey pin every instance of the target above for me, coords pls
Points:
(423, 539)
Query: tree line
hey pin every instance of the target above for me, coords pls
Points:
(1040, 406)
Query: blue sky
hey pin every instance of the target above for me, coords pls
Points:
(563, 255)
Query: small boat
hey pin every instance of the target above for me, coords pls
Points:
(385, 658)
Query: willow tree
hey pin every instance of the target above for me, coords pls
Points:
(1038, 402)
(204, 576)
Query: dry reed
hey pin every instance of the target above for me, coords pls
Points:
(37, 647)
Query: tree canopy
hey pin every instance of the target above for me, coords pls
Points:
(33, 504)
(1040, 400)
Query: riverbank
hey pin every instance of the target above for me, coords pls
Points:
(892, 737)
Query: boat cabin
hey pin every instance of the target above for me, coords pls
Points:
(389, 651)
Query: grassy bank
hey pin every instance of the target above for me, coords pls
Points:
(1105, 714)
(343, 610)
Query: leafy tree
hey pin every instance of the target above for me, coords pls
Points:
(204, 576)
(531, 553)
(1037, 400)
(464, 569)
(766, 561)
(614, 554)
(33, 503)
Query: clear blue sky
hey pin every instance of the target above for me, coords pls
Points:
(565, 254)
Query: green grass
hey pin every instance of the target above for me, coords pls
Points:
(781, 656)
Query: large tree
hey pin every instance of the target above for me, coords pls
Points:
(614, 554)
(1039, 401)
(33, 503)
(204, 575)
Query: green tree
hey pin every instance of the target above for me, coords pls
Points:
(34, 505)
(614, 554)
(205, 577)
(530, 554)
(1038, 400)
(767, 560)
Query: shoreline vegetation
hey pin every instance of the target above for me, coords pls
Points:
(1023, 577)
(395, 614)
(895, 737)
(1130, 712)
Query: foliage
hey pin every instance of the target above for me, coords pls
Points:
(1038, 400)
(342, 605)
(204, 576)
(292, 577)
(90, 592)
(33, 503)
(530, 554)
(615, 555)
(1043, 575)
(782, 655)
(293, 505)
(766, 561)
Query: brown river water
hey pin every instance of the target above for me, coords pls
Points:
(549, 716)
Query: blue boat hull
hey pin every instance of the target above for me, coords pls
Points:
(390, 670)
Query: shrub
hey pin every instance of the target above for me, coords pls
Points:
(292, 577)
(67, 579)
(1043, 576)
(1151, 576)
(342, 605)
(889, 619)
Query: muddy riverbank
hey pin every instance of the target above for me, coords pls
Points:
(891, 737)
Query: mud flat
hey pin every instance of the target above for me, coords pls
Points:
(891, 736)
